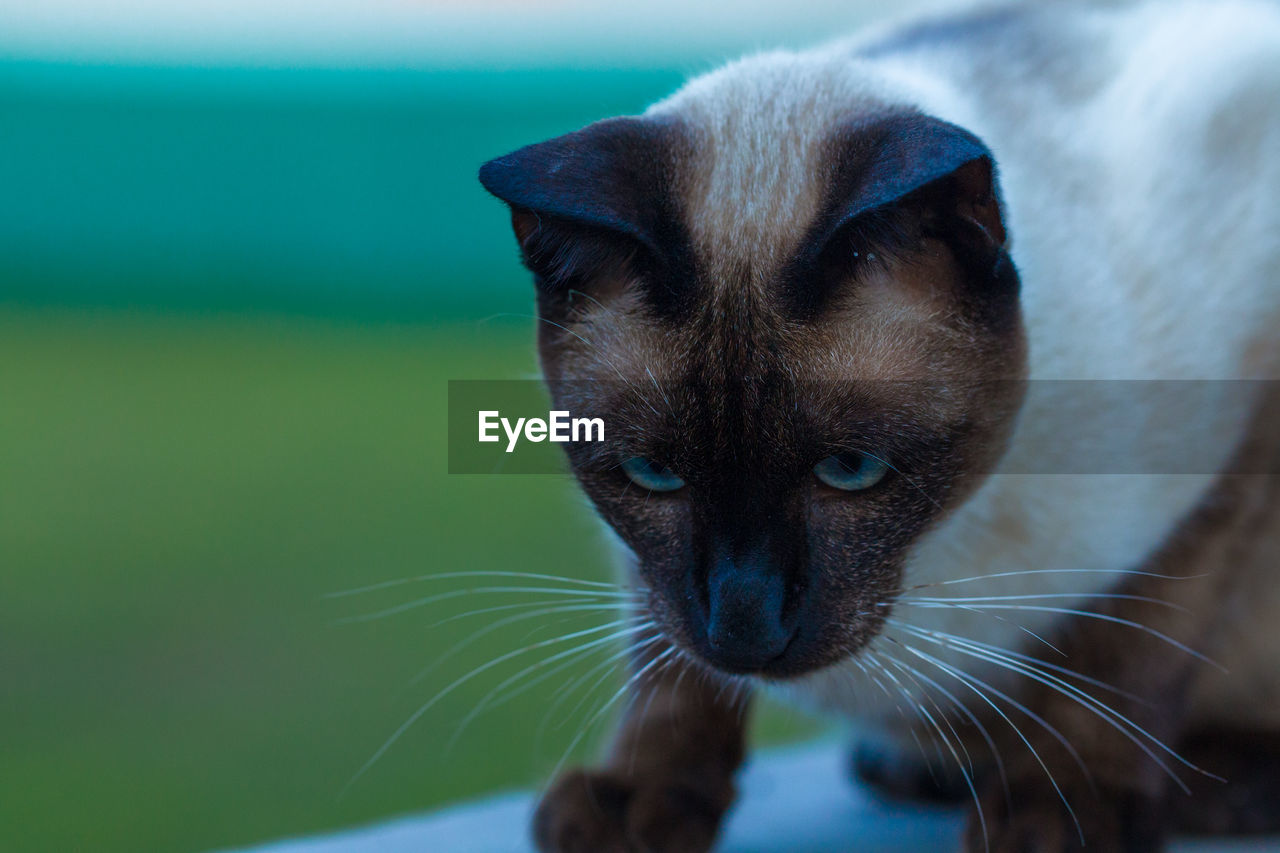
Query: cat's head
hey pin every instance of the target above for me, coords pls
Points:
(797, 309)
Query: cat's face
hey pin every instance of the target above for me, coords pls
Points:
(802, 365)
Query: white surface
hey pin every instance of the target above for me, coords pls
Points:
(797, 800)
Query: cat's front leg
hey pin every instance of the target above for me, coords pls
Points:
(669, 776)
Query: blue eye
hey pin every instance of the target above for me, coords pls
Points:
(650, 475)
(850, 472)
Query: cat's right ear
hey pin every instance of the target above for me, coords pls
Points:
(589, 202)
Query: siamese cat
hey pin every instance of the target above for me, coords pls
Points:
(940, 372)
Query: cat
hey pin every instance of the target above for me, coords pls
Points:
(939, 365)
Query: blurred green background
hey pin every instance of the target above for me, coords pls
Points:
(230, 301)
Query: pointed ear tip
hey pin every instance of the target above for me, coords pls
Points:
(495, 176)
(487, 173)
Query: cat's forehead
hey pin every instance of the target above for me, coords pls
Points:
(753, 156)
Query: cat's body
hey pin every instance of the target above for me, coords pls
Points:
(1010, 563)
(1138, 169)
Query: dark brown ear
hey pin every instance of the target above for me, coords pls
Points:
(591, 200)
(909, 156)
(897, 178)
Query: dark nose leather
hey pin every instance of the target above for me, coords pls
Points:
(746, 624)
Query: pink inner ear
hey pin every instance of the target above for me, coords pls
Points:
(524, 223)
(977, 202)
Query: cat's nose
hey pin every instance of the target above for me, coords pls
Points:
(747, 624)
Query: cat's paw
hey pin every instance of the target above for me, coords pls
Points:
(1033, 819)
(589, 811)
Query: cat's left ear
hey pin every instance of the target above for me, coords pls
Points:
(915, 156)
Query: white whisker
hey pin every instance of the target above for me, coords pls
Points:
(476, 574)
(494, 626)
(603, 606)
(1133, 697)
(960, 765)
(1097, 707)
(488, 701)
(876, 660)
(973, 683)
(1020, 573)
(566, 691)
(983, 612)
(479, 590)
(910, 727)
(1075, 596)
(430, 703)
(964, 710)
(1088, 614)
(630, 682)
